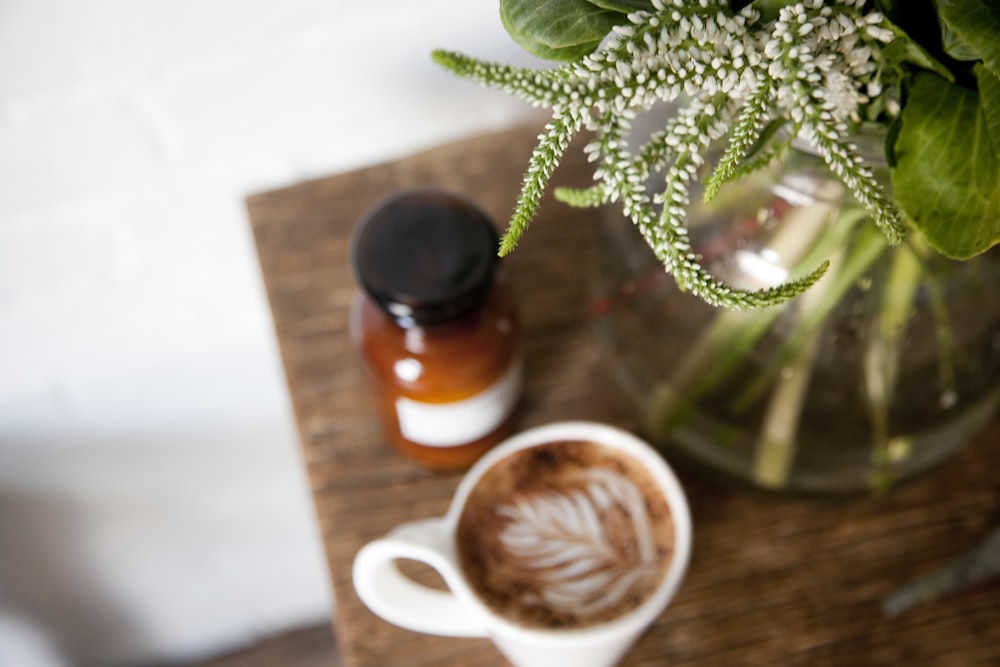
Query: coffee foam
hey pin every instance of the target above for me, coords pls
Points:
(565, 534)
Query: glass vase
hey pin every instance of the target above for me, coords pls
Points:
(880, 371)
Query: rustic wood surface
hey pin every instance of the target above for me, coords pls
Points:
(774, 580)
(305, 647)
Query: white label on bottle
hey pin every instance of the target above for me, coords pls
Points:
(461, 422)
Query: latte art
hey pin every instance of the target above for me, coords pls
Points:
(567, 534)
(589, 547)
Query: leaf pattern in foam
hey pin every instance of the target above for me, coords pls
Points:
(577, 544)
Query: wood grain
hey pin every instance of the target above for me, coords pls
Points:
(305, 647)
(775, 580)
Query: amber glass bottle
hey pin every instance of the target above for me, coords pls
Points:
(436, 327)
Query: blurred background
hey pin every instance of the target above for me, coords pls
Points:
(153, 505)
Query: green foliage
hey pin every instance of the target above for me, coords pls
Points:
(545, 158)
(970, 30)
(754, 75)
(746, 138)
(563, 29)
(947, 164)
(946, 148)
(989, 104)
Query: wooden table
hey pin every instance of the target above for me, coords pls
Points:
(773, 581)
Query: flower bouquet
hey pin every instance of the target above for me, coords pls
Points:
(749, 85)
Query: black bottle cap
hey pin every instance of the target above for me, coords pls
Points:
(425, 257)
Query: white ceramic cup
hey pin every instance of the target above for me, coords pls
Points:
(460, 613)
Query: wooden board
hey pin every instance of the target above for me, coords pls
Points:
(774, 580)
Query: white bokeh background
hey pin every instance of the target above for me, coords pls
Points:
(153, 506)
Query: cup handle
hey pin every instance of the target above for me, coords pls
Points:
(400, 600)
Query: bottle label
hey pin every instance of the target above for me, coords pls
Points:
(461, 422)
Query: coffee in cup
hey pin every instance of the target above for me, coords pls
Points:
(562, 545)
(565, 535)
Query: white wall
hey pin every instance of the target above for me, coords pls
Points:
(152, 500)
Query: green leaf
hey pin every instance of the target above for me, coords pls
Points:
(947, 174)
(903, 50)
(970, 29)
(989, 102)
(559, 29)
(624, 6)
